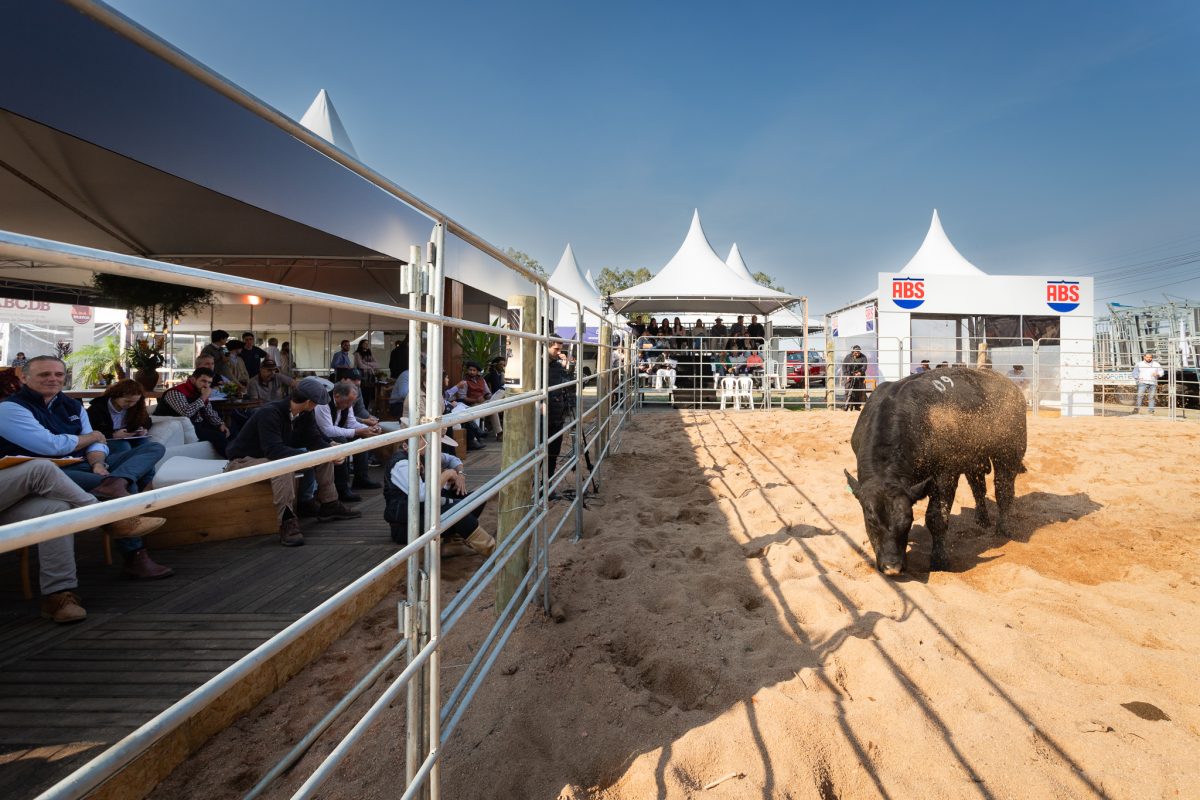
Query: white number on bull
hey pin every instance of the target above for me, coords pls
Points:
(941, 383)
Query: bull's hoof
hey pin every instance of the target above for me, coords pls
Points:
(939, 562)
(983, 519)
(1005, 530)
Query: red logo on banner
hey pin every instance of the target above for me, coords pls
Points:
(81, 314)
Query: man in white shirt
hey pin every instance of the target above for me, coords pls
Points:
(463, 537)
(337, 423)
(1146, 373)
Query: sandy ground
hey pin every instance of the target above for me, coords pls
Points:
(722, 620)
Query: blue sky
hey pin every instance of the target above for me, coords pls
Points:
(1053, 137)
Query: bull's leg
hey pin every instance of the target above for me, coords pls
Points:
(978, 484)
(1006, 489)
(937, 519)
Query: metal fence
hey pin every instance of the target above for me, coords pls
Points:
(602, 405)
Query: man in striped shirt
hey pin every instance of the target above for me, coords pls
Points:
(190, 400)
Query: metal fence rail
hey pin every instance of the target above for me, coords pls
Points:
(429, 721)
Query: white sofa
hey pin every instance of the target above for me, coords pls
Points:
(196, 459)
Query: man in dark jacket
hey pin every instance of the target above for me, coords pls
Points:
(561, 402)
(854, 372)
(287, 428)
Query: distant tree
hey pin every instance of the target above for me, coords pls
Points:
(766, 280)
(525, 260)
(611, 280)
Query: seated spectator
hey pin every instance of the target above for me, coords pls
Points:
(738, 329)
(40, 420)
(922, 367)
(473, 389)
(718, 333)
(737, 360)
(236, 365)
(37, 488)
(19, 361)
(754, 363)
(252, 356)
(495, 383)
(283, 429)
(698, 334)
(269, 384)
(338, 424)
(466, 535)
(454, 396)
(190, 400)
(361, 411)
(120, 414)
(216, 350)
(665, 372)
(208, 362)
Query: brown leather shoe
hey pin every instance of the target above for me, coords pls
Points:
(111, 488)
(140, 566)
(134, 527)
(335, 510)
(63, 607)
(289, 533)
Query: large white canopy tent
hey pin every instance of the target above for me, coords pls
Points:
(697, 280)
(570, 280)
(323, 120)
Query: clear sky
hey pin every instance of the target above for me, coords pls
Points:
(1057, 138)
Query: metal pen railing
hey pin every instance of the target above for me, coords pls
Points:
(428, 623)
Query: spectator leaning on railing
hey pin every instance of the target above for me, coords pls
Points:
(41, 421)
(338, 424)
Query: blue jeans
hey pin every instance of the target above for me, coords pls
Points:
(135, 465)
(1145, 388)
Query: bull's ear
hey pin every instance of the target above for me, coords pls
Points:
(851, 482)
(919, 490)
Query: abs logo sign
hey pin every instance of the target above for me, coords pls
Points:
(908, 293)
(1062, 296)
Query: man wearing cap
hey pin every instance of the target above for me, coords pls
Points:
(717, 334)
(269, 384)
(854, 371)
(287, 428)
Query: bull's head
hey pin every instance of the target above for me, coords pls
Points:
(887, 511)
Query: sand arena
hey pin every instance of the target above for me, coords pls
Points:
(722, 620)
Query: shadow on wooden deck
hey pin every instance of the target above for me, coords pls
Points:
(69, 691)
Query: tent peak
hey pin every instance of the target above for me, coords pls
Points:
(323, 120)
(938, 256)
(737, 264)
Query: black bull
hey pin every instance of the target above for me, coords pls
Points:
(916, 436)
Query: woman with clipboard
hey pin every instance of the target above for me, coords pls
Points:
(120, 414)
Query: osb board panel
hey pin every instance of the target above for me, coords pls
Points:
(237, 513)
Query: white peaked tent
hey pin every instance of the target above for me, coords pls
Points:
(592, 282)
(937, 256)
(570, 280)
(738, 265)
(697, 280)
(323, 120)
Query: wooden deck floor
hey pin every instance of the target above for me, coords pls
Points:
(69, 691)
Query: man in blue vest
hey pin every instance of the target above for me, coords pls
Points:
(41, 421)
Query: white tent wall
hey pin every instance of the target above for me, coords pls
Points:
(998, 295)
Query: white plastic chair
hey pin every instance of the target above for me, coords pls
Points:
(745, 388)
(728, 390)
(771, 377)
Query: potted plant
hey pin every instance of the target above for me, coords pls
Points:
(94, 364)
(479, 346)
(145, 357)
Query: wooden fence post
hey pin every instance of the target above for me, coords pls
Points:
(517, 497)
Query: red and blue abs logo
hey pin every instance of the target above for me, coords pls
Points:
(908, 293)
(1062, 296)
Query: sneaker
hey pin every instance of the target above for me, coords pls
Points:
(308, 508)
(289, 533)
(335, 510)
(63, 607)
(140, 566)
(134, 527)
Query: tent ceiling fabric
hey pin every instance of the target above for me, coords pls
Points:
(142, 157)
(323, 120)
(937, 256)
(697, 280)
